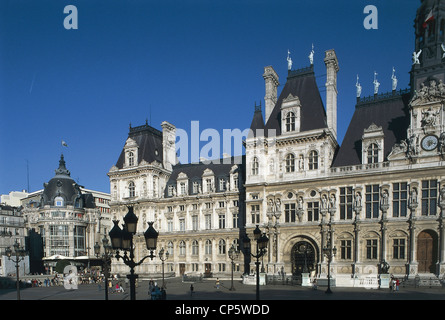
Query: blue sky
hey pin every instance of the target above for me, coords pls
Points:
(178, 61)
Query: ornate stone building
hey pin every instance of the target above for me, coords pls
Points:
(196, 207)
(379, 198)
(70, 218)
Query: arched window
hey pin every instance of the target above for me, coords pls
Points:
(195, 248)
(313, 160)
(130, 159)
(222, 247)
(131, 189)
(290, 122)
(182, 248)
(255, 166)
(170, 248)
(373, 153)
(208, 247)
(290, 163)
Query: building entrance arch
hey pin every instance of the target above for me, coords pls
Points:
(304, 258)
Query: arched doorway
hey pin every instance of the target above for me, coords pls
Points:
(304, 258)
(427, 251)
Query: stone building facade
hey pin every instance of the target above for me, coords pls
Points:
(378, 198)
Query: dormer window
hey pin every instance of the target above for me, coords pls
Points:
(130, 159)
(372, 144)
(59, 202)
(290, 122)
(290, 111)
(373, 153)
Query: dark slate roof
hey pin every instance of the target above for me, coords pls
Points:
(149, 141)
(301, 83)
(194, 171)
(257, 122)
(389, 111)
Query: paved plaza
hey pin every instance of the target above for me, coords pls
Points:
(206, 290)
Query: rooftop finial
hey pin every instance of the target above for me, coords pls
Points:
(394, 79)
(376, 84)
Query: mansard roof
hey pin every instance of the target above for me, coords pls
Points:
(302, 84)
(149, 142)
(389, 111)
(195, 171)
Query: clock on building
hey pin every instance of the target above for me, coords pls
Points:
(429, 142)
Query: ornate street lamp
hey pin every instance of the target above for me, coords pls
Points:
(163, 257)
(261, 247)
(122, 239)
(19, 253)
(106, 258)
(329, 252)
(233, 255)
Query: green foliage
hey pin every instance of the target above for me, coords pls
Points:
(61, 264)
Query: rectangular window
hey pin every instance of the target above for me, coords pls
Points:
(182, 224)
(170, 225)
(255, 212)
(399, 248)
(313, 212)
(372, 201)
(346, 249)
(289, 212)
(208, 221)
(346, 203)
(429, 197)
(195, 225)
(399, 199)
(235, 220)
(222, 221)
(371, 249)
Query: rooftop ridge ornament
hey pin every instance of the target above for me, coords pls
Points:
(359, 88)
(376, 84)
(311, 55)
(289, 61)
(394, 79)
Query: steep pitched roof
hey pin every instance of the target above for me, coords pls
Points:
(301, 84)
(389, 112)
(149, 141)
(257, 123)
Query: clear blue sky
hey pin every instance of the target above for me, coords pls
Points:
(172, 60)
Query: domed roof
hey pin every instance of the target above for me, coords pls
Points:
(62, 190)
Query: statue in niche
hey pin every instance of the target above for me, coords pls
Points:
(413, 196)
(324, 202)
(358, 200)
(270, 206)
(278, 205)
(332, 201)
(429, 117)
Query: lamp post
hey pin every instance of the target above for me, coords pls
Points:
(163, 257)
(122, 239)
(261, 247)
(19, 253)
(106, 258)
(233, 255)
(329, 252)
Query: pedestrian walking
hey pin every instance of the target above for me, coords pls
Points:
(191, 290)
(397, 284)
(217, 283)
